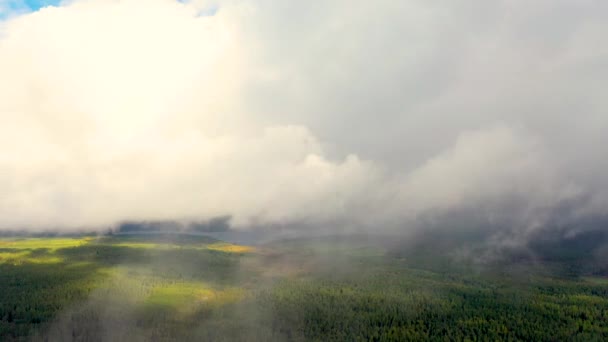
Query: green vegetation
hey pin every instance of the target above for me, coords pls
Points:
(186, 287)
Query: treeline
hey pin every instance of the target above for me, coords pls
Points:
(214, 225)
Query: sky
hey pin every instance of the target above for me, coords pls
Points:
(11, 8)
(321, 114)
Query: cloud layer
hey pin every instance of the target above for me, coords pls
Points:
(326, 114)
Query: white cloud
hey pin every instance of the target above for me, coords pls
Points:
(114, 111)
(279, 112)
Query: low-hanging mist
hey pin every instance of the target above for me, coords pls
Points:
(330, 114)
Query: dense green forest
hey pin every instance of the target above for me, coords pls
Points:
(187, 287)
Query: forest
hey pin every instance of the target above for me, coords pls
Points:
(187, 287)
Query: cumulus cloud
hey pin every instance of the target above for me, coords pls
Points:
(328, 113)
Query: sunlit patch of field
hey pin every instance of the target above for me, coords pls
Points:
(51, 244)
(169, 282)
(24, 256)
(230, 248)
(140, 285)
(144, 245)
(36, 250)
(596, 280)
(188, 296)
(179, 295)
(214, 246)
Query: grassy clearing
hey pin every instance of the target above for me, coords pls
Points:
(217, 246)
(51, 244)
(596, 280)
(178, 295)
(21, 257)
(230, 248)
(37, 250)
(187, 296)
(144, 245)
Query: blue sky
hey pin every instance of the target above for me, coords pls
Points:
(12, 7)
(37, 4)
(30, 5)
